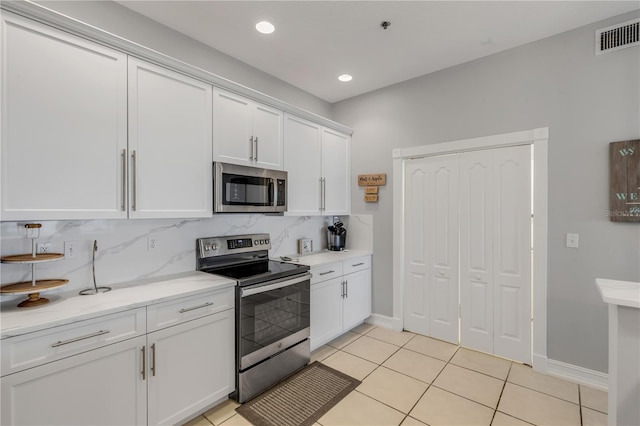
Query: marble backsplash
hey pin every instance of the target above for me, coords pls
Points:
(122, 245)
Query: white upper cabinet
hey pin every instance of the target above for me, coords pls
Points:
(318, 162)
(336, 173)
(64, 125)
(246, 132)
(302, 151)
(170, 149)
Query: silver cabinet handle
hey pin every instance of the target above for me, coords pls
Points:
(343, 290)
(358, 264)
(325, 273)
(153, 359)
(77, 339)
(346, 289)
(134, 178)
(182, 311)
(144, 363)
(124, 179)
(251, 147)
(256, 143)
(323, 186)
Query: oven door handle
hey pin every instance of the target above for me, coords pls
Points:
(285, 282)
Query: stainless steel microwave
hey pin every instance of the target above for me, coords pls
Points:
(243, 189)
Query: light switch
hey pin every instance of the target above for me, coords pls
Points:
(572, 240)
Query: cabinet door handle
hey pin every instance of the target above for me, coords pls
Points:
(323, 191)
(358, 264)
(144, 363)
(251, 147)
(325, 273)
(182, 311)
(346, 289)
(256, 143)
(124, 179)
(153, 360)
(343, 291)
(77, 339)
(134, 178)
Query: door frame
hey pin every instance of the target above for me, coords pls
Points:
(539, 138)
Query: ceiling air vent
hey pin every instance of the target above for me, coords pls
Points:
(618, 37)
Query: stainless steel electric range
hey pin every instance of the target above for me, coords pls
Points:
(272, 309)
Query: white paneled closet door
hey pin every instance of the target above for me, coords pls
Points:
(431, 238)
(512, 253)
(495, 256)
(476, 250)
(468, 233)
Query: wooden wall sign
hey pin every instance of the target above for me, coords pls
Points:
(371, 190)
(371, 198)
(624, 181)
(377, 179)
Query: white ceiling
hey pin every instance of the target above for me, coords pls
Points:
(315, 41)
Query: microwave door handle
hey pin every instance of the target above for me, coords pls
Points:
(272, 191)
(244, 292)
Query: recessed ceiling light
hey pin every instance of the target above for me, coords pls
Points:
(265, 27)
(345, 77)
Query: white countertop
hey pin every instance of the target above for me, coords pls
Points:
(67, 308)
(324, 257)
(623, 293)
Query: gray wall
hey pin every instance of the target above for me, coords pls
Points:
(586, 101)
(130, 25)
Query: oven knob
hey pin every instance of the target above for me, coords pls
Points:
(255, 242)
(266, 241)
(214, 247)
(207, 247)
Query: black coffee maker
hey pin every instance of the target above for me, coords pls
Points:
(336, 235)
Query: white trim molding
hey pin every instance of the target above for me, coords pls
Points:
(581, 375)
(539, 138)
(380, 320)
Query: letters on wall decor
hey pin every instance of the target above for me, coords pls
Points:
(624, 181)
(371, 184)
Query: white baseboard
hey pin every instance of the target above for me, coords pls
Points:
(584, 376)
(380, 321)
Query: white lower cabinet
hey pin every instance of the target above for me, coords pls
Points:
(326, 311)
(340, 298)
(357, 298)
(191, 366)
(100, 386)
(108, 371)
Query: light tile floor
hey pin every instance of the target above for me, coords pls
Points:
(408, 379)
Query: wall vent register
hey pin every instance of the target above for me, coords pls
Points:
(618, 37)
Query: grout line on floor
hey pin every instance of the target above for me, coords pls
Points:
(547, 394)
(504, 385)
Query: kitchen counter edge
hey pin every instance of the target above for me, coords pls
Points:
(325, 257)
(68, 308)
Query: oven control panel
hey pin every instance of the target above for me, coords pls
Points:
(219, 246)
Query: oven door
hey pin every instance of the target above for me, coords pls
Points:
(272, 316)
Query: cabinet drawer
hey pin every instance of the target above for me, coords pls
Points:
(325, 272)
(33, 349)
(356, 264)
(185, 309)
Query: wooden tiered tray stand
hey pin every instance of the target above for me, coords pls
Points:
(34, 287)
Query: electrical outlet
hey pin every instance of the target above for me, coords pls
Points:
(572, 240)
(152, 243)
(71, 249)
(43, 248)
